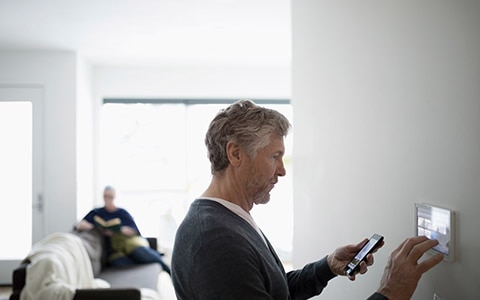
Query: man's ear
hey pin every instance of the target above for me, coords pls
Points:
(233, 154)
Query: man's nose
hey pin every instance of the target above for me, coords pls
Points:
(281, 169)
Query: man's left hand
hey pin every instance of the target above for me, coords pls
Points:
(338, 260)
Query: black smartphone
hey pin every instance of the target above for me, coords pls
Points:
(372, 243)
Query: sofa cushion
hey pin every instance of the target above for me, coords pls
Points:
(94, 244)
(132, 276)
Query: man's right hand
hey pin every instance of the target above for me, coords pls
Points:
(403, 271)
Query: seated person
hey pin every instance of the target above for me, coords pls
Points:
(124, 243)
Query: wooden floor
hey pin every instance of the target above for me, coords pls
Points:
(5, 292)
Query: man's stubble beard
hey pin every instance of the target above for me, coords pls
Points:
(260, 195)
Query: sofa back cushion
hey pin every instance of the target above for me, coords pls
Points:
(95, 245)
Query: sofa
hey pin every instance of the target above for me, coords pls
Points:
(133, 282)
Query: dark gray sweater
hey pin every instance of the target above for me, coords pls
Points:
(218, 255)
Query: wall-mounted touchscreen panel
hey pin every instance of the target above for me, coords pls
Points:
(436, 223)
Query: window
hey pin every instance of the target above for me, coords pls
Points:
(155, 156)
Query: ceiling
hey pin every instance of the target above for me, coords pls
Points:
(216, 32)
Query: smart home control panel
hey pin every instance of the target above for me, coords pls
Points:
(436, 223)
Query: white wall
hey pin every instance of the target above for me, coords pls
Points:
(193, 82)
(84, 138)
(387, 93)
(55, 72)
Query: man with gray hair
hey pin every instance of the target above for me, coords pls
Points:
(221, 253)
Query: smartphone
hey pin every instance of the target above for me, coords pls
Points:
(372, 243)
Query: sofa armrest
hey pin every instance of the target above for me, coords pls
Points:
(18, 280)
(152, 242)
(108, 294)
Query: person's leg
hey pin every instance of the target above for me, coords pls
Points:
(122, 261)
(144, 255)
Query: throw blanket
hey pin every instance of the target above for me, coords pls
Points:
(59, 265)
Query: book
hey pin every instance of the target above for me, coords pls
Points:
(113, 224)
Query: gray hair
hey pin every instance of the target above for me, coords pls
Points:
(109, 188)
(246, 124)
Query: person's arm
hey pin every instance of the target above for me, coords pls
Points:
(84, 225)
(403, 271)
(87, 222)
(129, 227)
(340, 258)
(310, 280)
(313, 278)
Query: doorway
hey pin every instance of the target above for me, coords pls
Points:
(21, 201)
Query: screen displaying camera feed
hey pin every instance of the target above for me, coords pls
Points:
(435, 223)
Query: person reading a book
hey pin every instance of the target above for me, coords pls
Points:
(123, 241)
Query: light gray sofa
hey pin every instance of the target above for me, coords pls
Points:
(126, 282)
